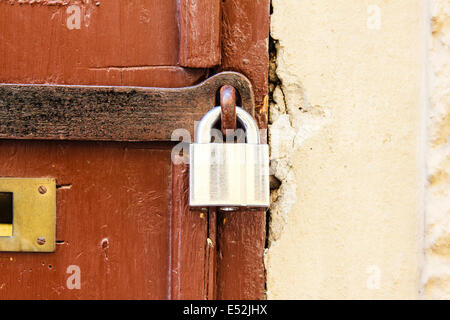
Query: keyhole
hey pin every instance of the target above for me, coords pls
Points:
(6, 214)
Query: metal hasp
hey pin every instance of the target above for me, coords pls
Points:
(96, 113)
(33, 224)
(228, 174)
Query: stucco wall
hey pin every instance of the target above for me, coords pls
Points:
(436, 275)
(347, 134)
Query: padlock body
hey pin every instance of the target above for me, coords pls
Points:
(229, 174)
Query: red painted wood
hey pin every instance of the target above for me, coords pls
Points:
(199, 33)
(129, 42)
(113, 220)
(119, 218)
(245, 40)
(211, 267)
(189, 248)
(240, 262)
(116, 218)
(241, 235)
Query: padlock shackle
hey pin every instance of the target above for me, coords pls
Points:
(203, 134)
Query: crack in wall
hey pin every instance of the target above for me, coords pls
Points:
(283, 195)
(292, 120)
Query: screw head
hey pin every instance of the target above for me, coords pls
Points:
(42, 190)
(41, 241)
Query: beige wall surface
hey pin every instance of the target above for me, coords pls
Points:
(436, 274)
(347, 135)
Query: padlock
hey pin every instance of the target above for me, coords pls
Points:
(228, 174)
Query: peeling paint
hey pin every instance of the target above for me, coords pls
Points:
(60, 3)
(292, 120)
(79, 12)
(105, 246)
(44, 2)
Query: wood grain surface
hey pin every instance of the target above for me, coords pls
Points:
(245, 46)
(189, 233)
(113, 220)
(129, 42)
(200, 22)
(122, 212)
(240, 252)
(241, 235)
(110, 113)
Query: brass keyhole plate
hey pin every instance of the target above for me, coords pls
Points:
(31, 225)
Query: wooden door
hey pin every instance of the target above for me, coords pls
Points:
(123, 220)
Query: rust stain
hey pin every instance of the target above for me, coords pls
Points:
(228, 105)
